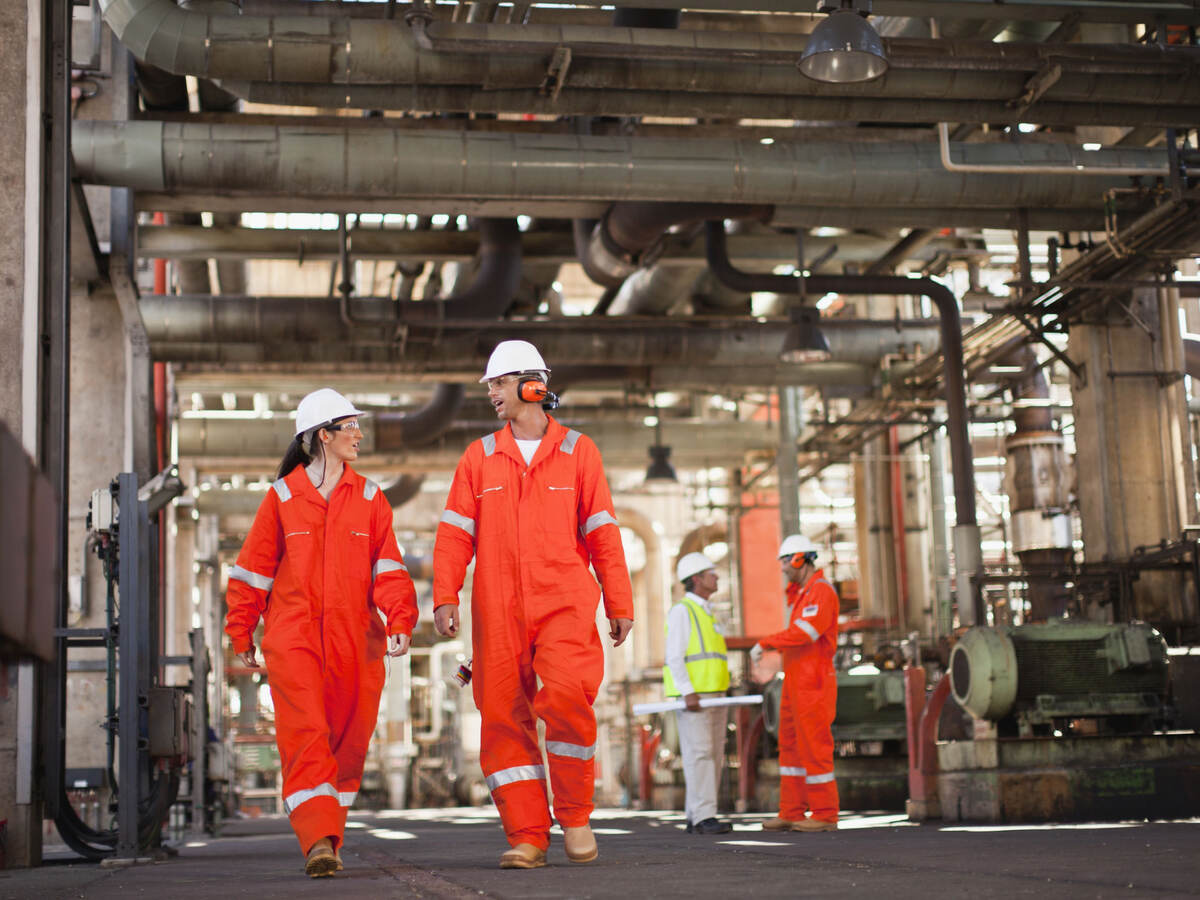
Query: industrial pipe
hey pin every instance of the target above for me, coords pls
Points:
(347, 51)
(609, 101)
(968, 552)
(341, 163)
(275, 327)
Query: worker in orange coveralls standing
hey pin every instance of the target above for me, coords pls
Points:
(809, 693)
(531, 504)
(318, 565)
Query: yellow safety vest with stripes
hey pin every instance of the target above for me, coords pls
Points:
(705, 658)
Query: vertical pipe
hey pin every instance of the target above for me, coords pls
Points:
(899, 533)
(943, 616)
(790, 405)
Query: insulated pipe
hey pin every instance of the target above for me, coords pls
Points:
(603, 101)
(341, 163)
(282, 328)
(347, 51)
(628, 231)
(968, 551)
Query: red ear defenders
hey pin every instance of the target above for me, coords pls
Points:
(798, 560)
(532, 389)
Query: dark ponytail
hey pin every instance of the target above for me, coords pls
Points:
(295, 456)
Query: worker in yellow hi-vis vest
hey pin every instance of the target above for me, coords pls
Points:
(696, 667)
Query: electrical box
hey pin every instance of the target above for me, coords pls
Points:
(102, 511)
(170, 723)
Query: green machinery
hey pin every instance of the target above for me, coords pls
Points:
(1028, 676)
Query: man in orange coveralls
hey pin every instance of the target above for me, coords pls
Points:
(319, 563)
(531, 504)
(809, 693)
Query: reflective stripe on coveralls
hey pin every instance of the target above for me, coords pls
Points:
(705, 658)
(344, 798)
(327, 567)
(533, 609)
(809, 701)
(262, 582)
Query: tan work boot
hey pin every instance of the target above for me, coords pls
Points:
(337, 854)
(778, 824)
(321, 860)
(812, 825)
(523, 856)
(580, 844)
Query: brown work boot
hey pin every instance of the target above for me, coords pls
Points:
(778, 824)
(320, 860)
(523, 856)
(580, 844)
(811, 825)
(337, 854)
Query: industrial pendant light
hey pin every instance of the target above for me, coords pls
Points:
(844, 48)
(660, 468)
(804, 341)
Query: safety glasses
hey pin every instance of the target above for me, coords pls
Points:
(348, 427)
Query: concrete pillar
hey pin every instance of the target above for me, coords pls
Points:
(1132, 446)
(20, 101)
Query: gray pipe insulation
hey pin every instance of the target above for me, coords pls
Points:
(348, 51)
(342, 163)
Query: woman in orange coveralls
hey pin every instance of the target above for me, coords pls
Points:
(319, 564)
(809, 693)
(531, 504)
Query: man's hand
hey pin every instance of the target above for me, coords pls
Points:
(398, 644)
(445, 619)
(618, 630)
(756, 653)
(249, 659)
(692, 702)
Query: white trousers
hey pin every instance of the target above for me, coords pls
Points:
(702, 746)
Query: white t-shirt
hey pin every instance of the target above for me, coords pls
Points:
(528, 448)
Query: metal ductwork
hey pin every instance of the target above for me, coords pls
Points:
(342, 163)
(968, 551)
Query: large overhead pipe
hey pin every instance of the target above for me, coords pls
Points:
(630, 232)
(342, 163)
(681, 104)
(265, 329)
(346, 51)
(968, 552)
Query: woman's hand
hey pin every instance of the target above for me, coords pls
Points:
(249, 659)
(398, 644)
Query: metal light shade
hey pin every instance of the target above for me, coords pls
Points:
(660, 469)
(843, 49)
(804, 341)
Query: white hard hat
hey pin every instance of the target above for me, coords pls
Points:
(796, 543)
(692, 564)
(513, 356)
(323, 407)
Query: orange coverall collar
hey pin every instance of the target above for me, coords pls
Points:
(507, 444)
(301, 484)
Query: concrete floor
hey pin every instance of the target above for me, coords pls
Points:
(452, 853)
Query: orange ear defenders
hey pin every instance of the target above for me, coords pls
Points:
(532, 389)
(798, 560)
